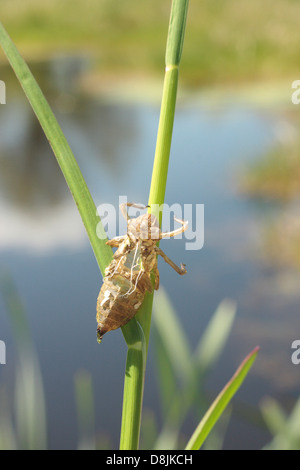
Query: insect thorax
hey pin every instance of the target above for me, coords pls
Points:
(144, 227)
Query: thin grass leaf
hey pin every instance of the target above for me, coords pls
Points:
(288, 435)
(173, 337)
(219, 405)
(294, 421)
(216, 335)
(30, 405)
(166, 376)
(85, 410)
(175, 402)
(182, 365)
(274, 415)
(149, 430)
(215, 440)
(133, 394)
(29, 390)
(168, 438)
(176, 32)
(8, 438)
(164, 137)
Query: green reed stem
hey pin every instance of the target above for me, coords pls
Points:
(135, 367)
(165, 128)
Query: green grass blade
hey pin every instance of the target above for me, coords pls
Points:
(85, 410)
(164, 134)
(61, 149)
(165, 373)
(173, 337)
(216, 334)
(133, 394)
(163, 145)
(274, 415)
(185, 368)
(215, 440)
(286, 430)
(30, 405)
(149, 430)
(293, 424)
(176, 32)
(29, 390)
(219, 405)
(8, 438)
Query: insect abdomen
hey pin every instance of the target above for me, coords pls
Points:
(119, 300)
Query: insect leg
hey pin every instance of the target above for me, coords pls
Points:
(180, 270)
(109, 272)
(130, 204)
(133, 262)
(184, 225)
(130, 291)
(156, 285)
(115, 242)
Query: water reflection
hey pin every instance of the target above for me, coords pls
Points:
(30, 178)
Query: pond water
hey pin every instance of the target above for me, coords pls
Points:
(46, 250)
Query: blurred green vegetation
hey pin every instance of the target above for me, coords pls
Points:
(182, 375)
(226, 42)
(285, 429)
(273, 180)
(23, 412)
(275, 176)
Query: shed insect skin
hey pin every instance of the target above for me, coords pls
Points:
(128, 277)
